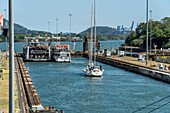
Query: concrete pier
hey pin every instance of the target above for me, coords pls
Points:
(29, 100)
(4, 85)
(23, 103)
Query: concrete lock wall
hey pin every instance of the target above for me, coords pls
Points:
(156, 74)
(159, 59)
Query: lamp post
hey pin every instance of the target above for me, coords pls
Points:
(131, 50)
(150, 31)
(5, 17)
(57, 27)
(11, 58)
(163, 56)
(70, 29)
(147, 34)
(49, 26)
(6, 27)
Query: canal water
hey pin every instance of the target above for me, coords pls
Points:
(64, 86)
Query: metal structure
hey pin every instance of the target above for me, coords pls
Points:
(124, 30)
(11, 58)
(95, 32)
(49, 32)
(70, 29)
(147, 33)
(150, 31)
(5, 10)
(91, 50)
(131, 28)
(5, 27)
(57, 27)
(49, 26)
(137, 25)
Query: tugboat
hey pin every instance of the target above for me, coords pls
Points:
(92, 70)
(36, 52)
(61, 53)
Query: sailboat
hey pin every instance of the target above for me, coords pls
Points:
(92, 70)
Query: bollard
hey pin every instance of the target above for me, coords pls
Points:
(46, 107)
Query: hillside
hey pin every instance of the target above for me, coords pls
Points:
(18, 29)
(100, 30)
(103, 33)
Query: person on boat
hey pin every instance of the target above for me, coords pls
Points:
(90, 68)
(100, 67)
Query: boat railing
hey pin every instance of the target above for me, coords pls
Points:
(38, 51)
(61, 50)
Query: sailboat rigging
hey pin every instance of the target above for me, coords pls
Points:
(92, 70)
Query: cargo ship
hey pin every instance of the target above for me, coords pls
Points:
(61, 53)
(34, 51)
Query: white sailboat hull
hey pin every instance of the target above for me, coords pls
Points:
(62, 60)
(93, 73)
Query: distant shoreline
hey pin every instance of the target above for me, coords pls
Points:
(67, 41)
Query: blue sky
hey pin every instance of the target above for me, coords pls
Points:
(35, 14)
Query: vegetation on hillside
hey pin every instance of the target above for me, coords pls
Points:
(104, 37)
(103, 33)
(101, 30)
(160, 34)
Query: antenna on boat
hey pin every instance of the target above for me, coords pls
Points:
(90, 60)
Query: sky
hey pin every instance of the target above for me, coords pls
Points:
(35, 14)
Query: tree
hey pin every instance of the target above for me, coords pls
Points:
(160, 34)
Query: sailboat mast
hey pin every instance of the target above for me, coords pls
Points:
(95, 48)
(90, 60)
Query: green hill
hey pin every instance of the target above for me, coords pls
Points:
(103, 33)
(19, 29)
(100, 30)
